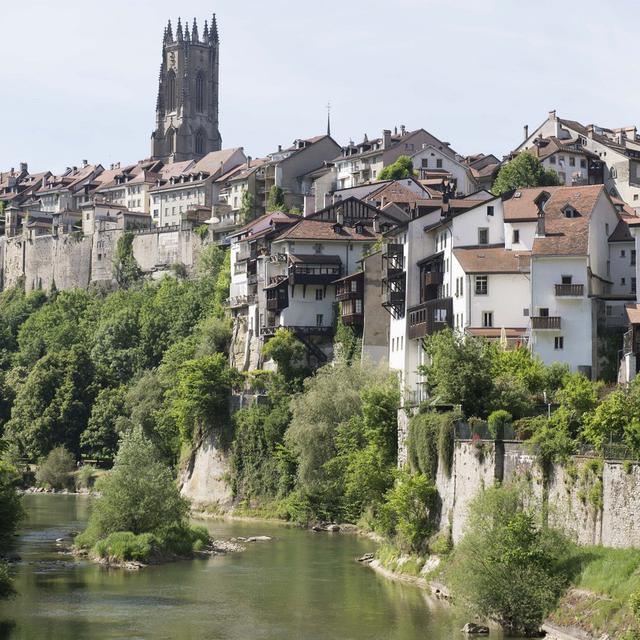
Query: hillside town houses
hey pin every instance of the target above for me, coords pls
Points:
(549, 268)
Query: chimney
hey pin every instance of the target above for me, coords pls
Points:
(85, 163)
(279, 147)
(552, 115)
(395, 131)
(590, 130)
(386, 138)
(526, 131)
(309, 205)
(249, 162)
(24, 168)
(339, 216)
(403, 130)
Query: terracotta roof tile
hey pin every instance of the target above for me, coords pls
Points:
(492, 260)
(325, 230)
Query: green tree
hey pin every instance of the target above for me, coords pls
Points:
(139, 495)
(460, 371)
(10, 516)
(286, 351)
(107, 421)
(126, 269)
(346, 344)
(401, 168)
(199, 400)
(508, 567)
(54, 470)
(523, 171)
(275, 199)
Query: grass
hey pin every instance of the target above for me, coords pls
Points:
(391, 559)
(603, 583)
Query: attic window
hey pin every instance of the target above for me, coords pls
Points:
(359, 228)
(517, 194)
(570, 212)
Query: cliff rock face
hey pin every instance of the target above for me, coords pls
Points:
(244, 354)
(204, 479)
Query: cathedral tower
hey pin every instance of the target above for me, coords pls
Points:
(187, 106)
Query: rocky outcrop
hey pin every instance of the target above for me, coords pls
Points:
(203, 480)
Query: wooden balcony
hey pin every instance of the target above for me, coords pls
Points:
(353, 319)
(542, 323)
(429, 317)
(570, 290)
(305, 275)
(350, 287)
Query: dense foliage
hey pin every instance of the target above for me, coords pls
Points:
(523, 171)
(80, 368)
(401, 168)
(10, 515)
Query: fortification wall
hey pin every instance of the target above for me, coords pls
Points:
(593, 502)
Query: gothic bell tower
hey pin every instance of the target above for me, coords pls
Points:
(187, 105)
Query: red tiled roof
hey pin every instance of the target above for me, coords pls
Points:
(492, 260)
(325, 230)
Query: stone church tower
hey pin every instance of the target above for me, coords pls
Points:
(187, 106)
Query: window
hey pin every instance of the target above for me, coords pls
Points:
(200, 91)
(487, 318)
(583, 163)
(425, 163)
(439, 163)
(171, 91)
(609, 310)
(606, 228)
(558, 343)
(544, 312)
(516, 236)
(561, 158)
(490, 210)
(635, 196)
(572, 161)
(633, 285)
(483, 235)
(319, 295)
(317, 248)
(319, 320)
(567, 279)
(623, 282)
(358, 306)
(633, 257)
(200, 142)
(482, 285)
(613, 173)
(623, 253)
(552, 160)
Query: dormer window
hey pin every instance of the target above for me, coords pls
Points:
(570, 212)
(359, 228)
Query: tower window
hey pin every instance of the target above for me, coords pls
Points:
(200, 92)
(199, 142)
(171, 91)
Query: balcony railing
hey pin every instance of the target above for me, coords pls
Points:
(393, 298)
(353, 319)
(394, 259)
(545, 322)
(431, 278)
(429, 317)
(570, 290)
(303, 274)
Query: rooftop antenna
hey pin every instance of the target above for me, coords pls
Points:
(328, 118)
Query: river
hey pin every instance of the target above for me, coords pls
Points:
(300, 585)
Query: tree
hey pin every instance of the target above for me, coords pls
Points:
(126, 269)
(508, 567)
(523, 171)
(275, 199)
(247, 207)
(10, 516)
(139, 495)
(286, 351)
(460, 371)
(199, 400)
(54, 471)
(401, 168)
(107, 422)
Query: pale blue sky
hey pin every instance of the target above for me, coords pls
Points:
(79, 78)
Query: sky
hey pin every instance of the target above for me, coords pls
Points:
(79, 78)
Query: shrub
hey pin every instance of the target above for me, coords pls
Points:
(431, 441)
(497, 422)
(125, 545)
(408, 511)
(507, 567)
(55, 470)
(85, 477)
(6, 585)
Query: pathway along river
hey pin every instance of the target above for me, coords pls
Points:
(299, 585)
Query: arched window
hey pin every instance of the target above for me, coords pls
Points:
(200, 142)
(171, 91)
(171, 139)
(200, 91)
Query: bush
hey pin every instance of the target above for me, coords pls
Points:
(408, 512)
(508, 567)
(431, 442)
(55, 470)
(497, 422)
(85, 476)
(6, 584)
(124, 545)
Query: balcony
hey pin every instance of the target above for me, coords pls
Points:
(430, 317)
(252, 278)
(350, 287)
(314, 269)
(393, 298)
(353, 319)
(545, 323)
(393, 257)
(570, 290)
(433, 278)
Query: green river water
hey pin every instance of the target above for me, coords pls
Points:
(299, 585)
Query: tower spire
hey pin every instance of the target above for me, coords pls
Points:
(168, 34)
(205, 33)
(213, 34)
(194, 32)
(179, 35)
(328, 118)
